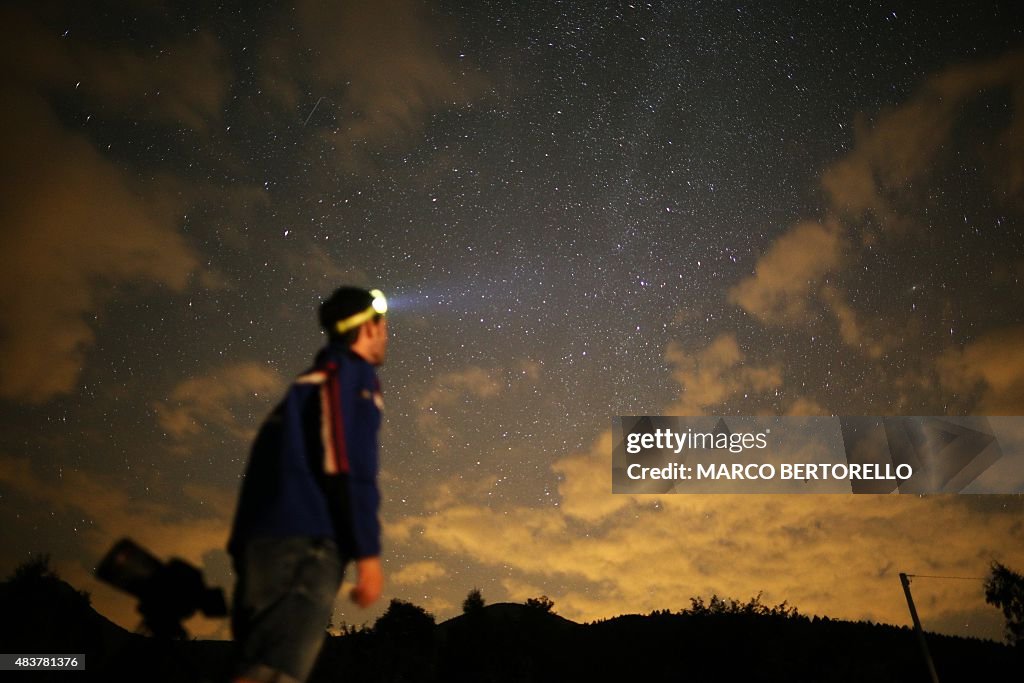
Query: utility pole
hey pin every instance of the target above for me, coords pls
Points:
(917, 628)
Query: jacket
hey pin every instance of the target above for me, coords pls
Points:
(313, 467)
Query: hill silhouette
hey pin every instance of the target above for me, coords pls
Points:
(513, 642)
(513, 614)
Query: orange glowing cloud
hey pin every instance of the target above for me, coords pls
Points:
(416, 573)
(901, 147)
(711, 376)
(992, 368)
(77, 225)
(222, 399)
(788, 273)
(637, 553)
(882, 182)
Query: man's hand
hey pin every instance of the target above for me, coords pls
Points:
(369, 581)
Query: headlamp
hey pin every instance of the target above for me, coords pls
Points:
(378, 306)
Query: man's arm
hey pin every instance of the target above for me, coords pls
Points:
(369, 581)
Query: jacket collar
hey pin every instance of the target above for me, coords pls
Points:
(336, 351)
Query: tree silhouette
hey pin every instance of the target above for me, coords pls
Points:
(406, 647)
(1004, 588)
(405, 622)
(473, 603)
(752, 607)
(541, 604)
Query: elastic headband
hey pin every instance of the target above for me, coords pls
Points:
(379, 306)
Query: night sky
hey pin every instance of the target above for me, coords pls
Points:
(577, 210)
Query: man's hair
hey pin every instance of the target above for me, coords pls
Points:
(345, 302)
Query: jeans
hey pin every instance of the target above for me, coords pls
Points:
(283, 601)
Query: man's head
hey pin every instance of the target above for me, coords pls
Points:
(355, 317)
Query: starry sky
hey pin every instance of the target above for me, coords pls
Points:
(577, 210)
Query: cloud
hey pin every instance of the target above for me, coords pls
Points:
(901, 148)
(187, 86)
(990, 369)
(441, 400)
(822, 553)
(321, 271)
(217, 400)
(76, 224)
(182, 82)
(851, 328)
(417, 573)
(789, 272)
(115, 512)
(461, 528)
(584, 473)
(380, 65)
(708, 378)
(806, 406)
(886, 180)
(521, 591)
(75, 228)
